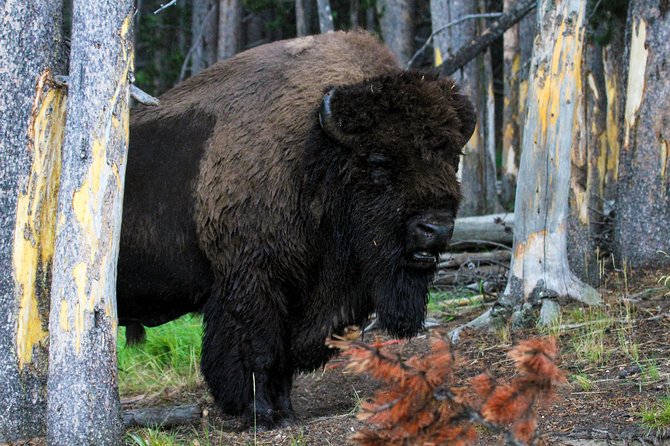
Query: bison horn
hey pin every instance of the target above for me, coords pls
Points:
(328, 122)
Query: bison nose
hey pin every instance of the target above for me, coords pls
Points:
(435, 231)
(430, 235)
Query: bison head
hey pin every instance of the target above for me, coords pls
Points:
(382, 170)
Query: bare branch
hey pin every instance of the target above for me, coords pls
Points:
(491, 15)
(135, 92)
(490, 34)
(165, 6)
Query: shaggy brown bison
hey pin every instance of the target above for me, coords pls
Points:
(288, 193)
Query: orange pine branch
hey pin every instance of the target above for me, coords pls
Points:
(422, 405)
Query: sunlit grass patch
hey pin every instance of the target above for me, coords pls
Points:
(170, 356)
(658, 415)
(151, 437)
(448, 303)
(582, 381)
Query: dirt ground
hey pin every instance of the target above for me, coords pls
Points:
(603, 410)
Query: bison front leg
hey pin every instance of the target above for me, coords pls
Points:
(245, 354)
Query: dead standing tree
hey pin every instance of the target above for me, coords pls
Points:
(477, 170)
(539, 271)
(642, 227)
(31, 119)
(326, 24)
(396, 21)
(83, 401)
(230, 28)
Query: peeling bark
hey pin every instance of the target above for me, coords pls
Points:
(511, 142)
(31, 124)
(83, 402)
(539, 272)
(539, 268)
(641, 227)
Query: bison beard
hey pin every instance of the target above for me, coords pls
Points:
(285, 210)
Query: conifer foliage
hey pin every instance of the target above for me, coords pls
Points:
(421, 403)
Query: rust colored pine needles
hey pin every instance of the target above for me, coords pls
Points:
(421, 404)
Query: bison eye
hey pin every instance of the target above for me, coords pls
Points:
(378, 160)
(380, 176)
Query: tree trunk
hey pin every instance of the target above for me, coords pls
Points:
(301, 20)
(527, 31)
(396, 20)
(477, 169)
(511, 142)
(370, 23)
(539, 266)
(539, 271)
(203, 35)
(230, 28)
(325, 16)
(83, 402)
(585, 200)
(353, 14)
(641, 228)
(31, 121)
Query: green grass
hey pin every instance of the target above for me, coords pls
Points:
(151, 437)
(169, 357)
(450, 301)
(583, 381)
(657, 416)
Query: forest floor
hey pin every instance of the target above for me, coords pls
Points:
(617, 360)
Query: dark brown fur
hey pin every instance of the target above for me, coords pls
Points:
(239, 205)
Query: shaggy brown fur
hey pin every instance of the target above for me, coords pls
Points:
(241, 206)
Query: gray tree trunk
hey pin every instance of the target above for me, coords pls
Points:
(230, 28)
(643, 210)
(396, 21)
(477, 169)
(204, 35)
(527, 31)
(511, 142)
(301, 19)
(83, 401)
(370, 23)
(30, 43)
(326, 24)
(587, 179)
(353, 13)
(539, 266)
(539, 271)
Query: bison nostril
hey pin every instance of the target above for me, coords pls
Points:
(434, 230)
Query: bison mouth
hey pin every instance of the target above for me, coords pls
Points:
(423, 259)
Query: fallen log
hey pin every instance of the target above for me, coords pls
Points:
(465, 276)
(482, 230)
(457, 260)
(161, 416)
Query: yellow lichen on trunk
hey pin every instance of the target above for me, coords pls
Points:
(92, 214)
(612, 124)
(636, 74)
(664, 157)
(34, 233)
(564, 69)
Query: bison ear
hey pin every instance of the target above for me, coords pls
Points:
(464, 110)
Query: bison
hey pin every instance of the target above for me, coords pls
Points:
(287, 193)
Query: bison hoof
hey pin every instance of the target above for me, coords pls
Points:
(265, 421)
